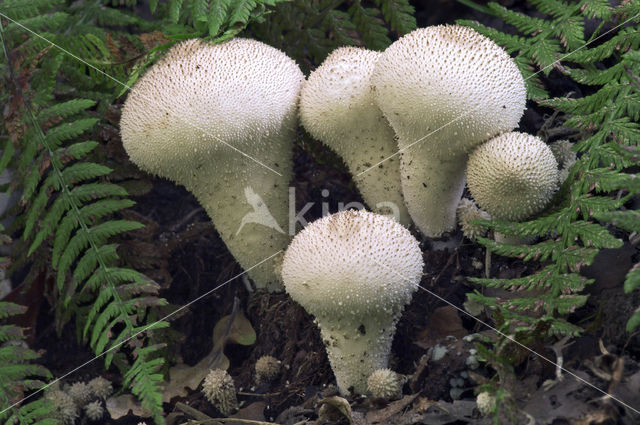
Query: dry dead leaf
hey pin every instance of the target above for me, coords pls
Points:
(444, 321)
(386, 415)
(253, 412)
(182, 376)
(124, 404)
(336, 406)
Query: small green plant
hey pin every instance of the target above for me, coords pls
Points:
(19, 376)
(590, 205)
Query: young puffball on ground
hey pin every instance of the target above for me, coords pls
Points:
(354, 271)
(512, 176)
(220, 120)
(337, 106)
(444, 90)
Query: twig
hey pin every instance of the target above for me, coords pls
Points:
(446, 266)
(186, 219)
(185, 408)
(487, 262)
(230, 421)
(259, 394)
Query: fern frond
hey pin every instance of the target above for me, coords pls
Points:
(399, 14)
(147, 382)
(628, 220)
(526, 24)
(369, 26)
(18, 373)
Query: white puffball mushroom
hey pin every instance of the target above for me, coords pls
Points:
(354, 271)
(337, 107)
(385, 383)
(80, 392)
(66, 409)
(512, 176)
(444, 89)
(94, 411)
(213, 118)
(267, 369)
(219, 389)
(486, 403)
(468, 211)
(566, 157)
(101, 387)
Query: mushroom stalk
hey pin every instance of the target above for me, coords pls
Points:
(337, 106)
(248, 203)
(347, 346)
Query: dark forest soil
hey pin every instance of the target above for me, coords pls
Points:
(184, 253)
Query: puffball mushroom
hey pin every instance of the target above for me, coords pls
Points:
(512, 176)
(385, 383)
(219, 389)
(354, 271)
(220, 120)
(337, 106)
(444, 90)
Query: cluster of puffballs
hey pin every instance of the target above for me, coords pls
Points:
(86, 398)
(412, 123)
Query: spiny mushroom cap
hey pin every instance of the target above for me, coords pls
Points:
(563, 152)
(267, 368)
(337, 100)
(101, 387)
(566, 157)
(94, 410)
(452, 76)
(66, 408)
(467, 211)
(200, 96)
(385, 383)
(512, 176)
(219, 389)
(352, 263)
(80, 392)
(486, 403)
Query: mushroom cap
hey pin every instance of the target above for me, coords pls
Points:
(467, 212)
(385, 383)
(219, 389)
(449, 79)
(337, 100)
(94, 410)
(352, 263)
(512, 176)
(267, 369)
(200, 96)
(101, 387)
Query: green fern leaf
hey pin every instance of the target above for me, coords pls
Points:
(632, 281)
(64, 110)
(98, 234)
(526, 24)
(175, 7)
(399, 14)
(596, 9)
(369, 26)
(91, 259)
(552, 7)
(628, 220)
(218, 16)
(67, 131)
